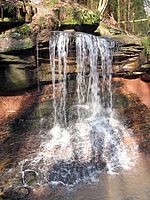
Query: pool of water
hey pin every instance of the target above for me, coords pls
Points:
(133, 184)
(126, 185)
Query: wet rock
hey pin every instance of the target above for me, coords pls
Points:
(72, 172)
(128, 40)
(86, 28)
(30, 177)
(23, 191)
(128, 59)
(44, 192)
(144, 147)
(137, 73)
(146, 66)
(12, 194)
(9, 193)
(145, 77)
(17, 71)
(119, 100)
(10, 178)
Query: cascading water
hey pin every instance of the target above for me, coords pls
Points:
(75, 150)
(59, 44)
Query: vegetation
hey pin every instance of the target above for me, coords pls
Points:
(16, 10)
(89, 17)
(42, 23)
(146, 44)
(76, 15)
(50, 3)
(129, 15)
(23, 30)
(22, 44)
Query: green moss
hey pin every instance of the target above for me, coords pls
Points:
(9, 7)
(19, 17)
(22, 44)
(23, 31)
(6, 19)
(72, 15)
(88, 17)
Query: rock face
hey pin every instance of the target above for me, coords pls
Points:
(16, 194)
(128, 62)
(17, 71)
(19, 68)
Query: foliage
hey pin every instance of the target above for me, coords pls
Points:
(19, 16)
(90, 4)
(112, 8)
(74, 15)
(21, 32)
(6, 19)
(89, 17)
(141, 28)
(68, 15)
(25, 29)
(9, 8)
(138, 7)
(128, 11)
(50, 3)
(42, 23)
(146, 44)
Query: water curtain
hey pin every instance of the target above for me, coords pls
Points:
(93, 54)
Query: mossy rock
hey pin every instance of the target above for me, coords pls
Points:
(23, 31)
(30, 177)
(8, 44)
(75, 15)
(26, 43)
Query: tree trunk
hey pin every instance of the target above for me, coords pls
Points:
(2, 13)
(129, 15)
(119, 13)
(102, 6)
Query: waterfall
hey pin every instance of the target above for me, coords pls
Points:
(58, 46)
(78, 147)
(90, 50)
